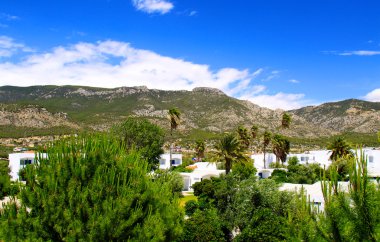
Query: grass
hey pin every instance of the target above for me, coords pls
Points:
(185, 199)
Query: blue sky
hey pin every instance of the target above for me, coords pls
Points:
(278, 54)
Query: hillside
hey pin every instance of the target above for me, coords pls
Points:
(206, 111)
(350, 115)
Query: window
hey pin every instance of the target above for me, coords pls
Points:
(305, 158)
(162, 161)
(23, 163)
(370, 159)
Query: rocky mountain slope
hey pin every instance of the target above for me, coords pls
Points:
(204, 110)
(349, 115)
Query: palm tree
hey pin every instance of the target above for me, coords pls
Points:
(280, 147)
(174, 116)
(254, 133)
(266, 141)
(230, 150)
(243, 136)
(200, 148)
(339, 148)
(286, 120)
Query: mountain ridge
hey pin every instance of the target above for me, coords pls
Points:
(205, 109)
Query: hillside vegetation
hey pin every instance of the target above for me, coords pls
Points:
(207, 112)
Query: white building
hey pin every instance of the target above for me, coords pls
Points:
(259, 160)
(313, 192)
(17, 161)
(165, 160)
(320, 157)
(202, 170)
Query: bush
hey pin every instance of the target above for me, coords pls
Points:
(190, 207)
(203, 226)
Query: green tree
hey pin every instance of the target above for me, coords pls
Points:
(261, 211)
(254, 135)
(378, 136)
(174, 116)
(90, 189)
(230, 151)
(143, 136)
(352, 215)
(5, 181)
(203, 225)
(200, 148)
(280, 147)
(266, 141)
(244, 138)
(339, 148)
(286, 120)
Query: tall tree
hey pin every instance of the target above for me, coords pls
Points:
(286, 120)
(230, 150)
(243, 136)
(90, 189)
(200, 148)
(266, 141)
(339, 148)
(280, 147)
(254, 134)
(143, 136)
(174, 116)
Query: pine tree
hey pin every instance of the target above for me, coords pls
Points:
(90, 189)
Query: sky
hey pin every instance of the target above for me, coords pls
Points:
(276, 53)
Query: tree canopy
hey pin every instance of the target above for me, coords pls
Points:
(90, 188)
(230, 150)
(143, 136)
(339, 148)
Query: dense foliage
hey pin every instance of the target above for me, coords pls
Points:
(298, 173)
(91, 189)
(143, 136)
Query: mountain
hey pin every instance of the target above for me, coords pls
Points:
(350, 115)
(206, 111)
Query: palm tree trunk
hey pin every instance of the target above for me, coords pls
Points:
(228, 166)
(265, 166)
(170, 148)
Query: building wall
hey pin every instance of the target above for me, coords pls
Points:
(17, 162)
(165, 160)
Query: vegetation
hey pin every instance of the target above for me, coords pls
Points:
(339, 149)
(91, 189)
(174, 116)
(244, 137)
(286, 120)
(280, 147)
(143, 136)
(230, 150)
(200, 148)
(266, 141)
(297, 173)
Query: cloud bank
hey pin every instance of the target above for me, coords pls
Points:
(113, 64)
(373, 96)
(153, 6)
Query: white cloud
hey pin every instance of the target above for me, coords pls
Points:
(193, 13)
(153, 6)
(8, 17)
(114, 64)
(373, 96)
(8, 47)
(294, 81)
(286, 101)
(360, 53)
